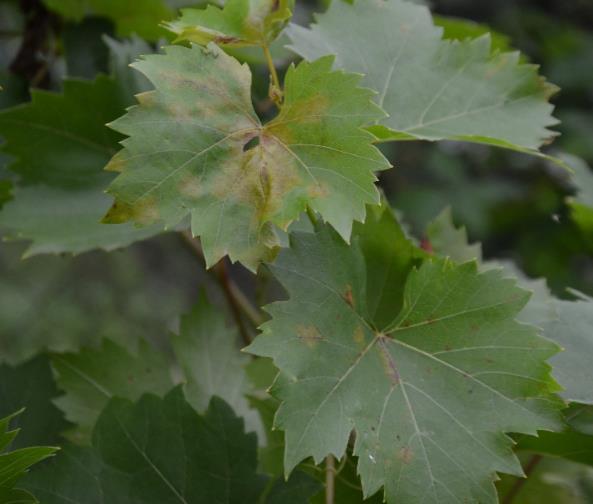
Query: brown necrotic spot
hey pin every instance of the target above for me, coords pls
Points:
(348, 296)
(308, 335)
(405, 454)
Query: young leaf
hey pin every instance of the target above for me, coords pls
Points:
(196, 145)
(92, 377)
(432, 89)
(429, 395)
(239, 23)
(14, 464)
(61, 206)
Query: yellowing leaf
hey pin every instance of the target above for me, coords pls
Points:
(239, 23)
(196, 146)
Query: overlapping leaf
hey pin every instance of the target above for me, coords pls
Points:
(568, 323)
(196, 146)
(429, 394)
(60, 144)
(432, 89)
(161, 451)
(239, 23)
(91, 377)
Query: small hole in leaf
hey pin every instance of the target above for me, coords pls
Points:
(254, 142)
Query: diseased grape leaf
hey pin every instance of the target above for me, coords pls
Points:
(31, 386)
(141, 17)
(15, 463)
(196, 145)
(429, 394)
(60, 145)
(239, 23)
(432, 89)
(91, 377)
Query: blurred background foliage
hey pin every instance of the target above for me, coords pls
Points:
(514, 204)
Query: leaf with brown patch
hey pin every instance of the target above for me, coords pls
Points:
(186, 152)
(429, 412)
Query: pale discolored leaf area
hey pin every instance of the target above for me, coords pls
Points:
(432, 89)
(429, 394)
(196, 146)
(240, 23)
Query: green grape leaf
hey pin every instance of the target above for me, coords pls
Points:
(447, 240)
(140, 17)
(240, 23)
(91, 377)
(31, 386)
(208, 353)
(60, 207)
(189, 151)
(429, 395)
(165, 452)
(161, 451)
(432, 89)
(582, 203)
(14, 464)
(574, 443)
(571, 329)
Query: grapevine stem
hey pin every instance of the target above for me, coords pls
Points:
(238, 302)
(273, 72)
(516, 488)
(330, 476)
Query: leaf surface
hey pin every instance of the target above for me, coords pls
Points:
(196, 146)
(429, 395)
(432, 89)
(91, 377)
(60, 145)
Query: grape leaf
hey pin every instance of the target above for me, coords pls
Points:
(14, 464)
(208, 353)
(429, 395)
(239, 23)
(568, 323)
(572, 329)
(432, 89)
(574, 443)
(91, 377)
(188, 151)
(145, 442)
(60, 207)
(31, 386)
(447, 240)
(161, 451)
(140, 17)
